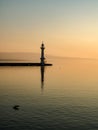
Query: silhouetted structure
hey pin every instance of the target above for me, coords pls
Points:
(42, 54)
(42, 63)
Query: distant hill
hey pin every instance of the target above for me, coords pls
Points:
(19, 56)
(22, 56)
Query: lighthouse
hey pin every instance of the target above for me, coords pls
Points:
(42, 54)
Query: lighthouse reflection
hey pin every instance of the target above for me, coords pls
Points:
(42, 70)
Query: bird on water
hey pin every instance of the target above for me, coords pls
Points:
(16, 107)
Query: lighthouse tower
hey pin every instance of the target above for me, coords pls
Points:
(42, 54)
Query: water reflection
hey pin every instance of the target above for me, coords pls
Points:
(42, 70)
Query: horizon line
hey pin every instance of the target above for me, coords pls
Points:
(73, 57)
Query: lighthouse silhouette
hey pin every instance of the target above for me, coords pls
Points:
(42, 54)
(42, 61)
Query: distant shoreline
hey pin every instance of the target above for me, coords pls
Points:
(12, 60)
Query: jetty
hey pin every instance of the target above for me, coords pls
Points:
(24, 64)
(42, 61)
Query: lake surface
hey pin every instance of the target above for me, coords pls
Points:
(60, 97)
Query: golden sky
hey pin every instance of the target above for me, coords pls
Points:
(67, 27)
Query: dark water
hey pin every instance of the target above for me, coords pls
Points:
(61, 97)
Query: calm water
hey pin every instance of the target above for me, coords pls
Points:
(61, 97)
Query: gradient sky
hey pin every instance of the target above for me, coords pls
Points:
(67, 27)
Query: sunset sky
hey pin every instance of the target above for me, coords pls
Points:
(67, 27)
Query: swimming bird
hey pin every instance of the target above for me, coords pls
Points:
(16, 107)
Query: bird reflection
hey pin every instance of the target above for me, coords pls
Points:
(42, 68)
